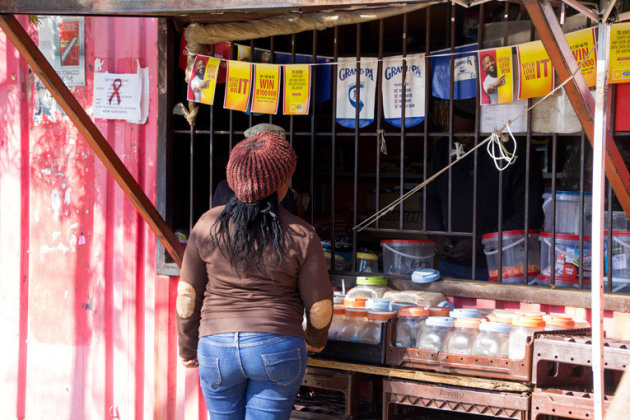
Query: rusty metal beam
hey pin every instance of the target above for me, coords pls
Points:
(544, 19)
(74, 110)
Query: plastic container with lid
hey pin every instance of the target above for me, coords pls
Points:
(502, 316)
(440, 311)
(419, 297)
(403, 256)
(369, 287)
(371, 333)
(568, 214)
(493, 340)
(367, 262)
(354, 302)
(339, 317)
(513, 255)
(354, 323)
(460, 340)
(557, 322)
(465, 313)
(565, 260)
(523, 326)
(410, 325)
(435, 333)
(377, 303)
(397, 305)
(620, 260)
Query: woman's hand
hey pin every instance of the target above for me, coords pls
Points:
(314, 349)
(190, 363)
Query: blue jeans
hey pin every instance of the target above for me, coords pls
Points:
(251, 375)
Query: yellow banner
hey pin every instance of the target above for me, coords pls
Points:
(237, 88)
(266, 88)
(495, 68)
(535, 70)
(243, 53)
(203, 79)
(297, 89)
(619, 65)
(581, 43)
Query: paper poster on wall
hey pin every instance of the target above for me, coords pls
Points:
(322, 72)
(117, 96)
(203, 80)
(62, 41)
(266, 93)
(494, 117)
(619, 65)
(465, 74)
(238, 85)
(393, 90)
(297, 89)
(351, 97)
(495, 76)
(536, 75)
(581, 43)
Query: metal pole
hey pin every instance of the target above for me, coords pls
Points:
(597, 281)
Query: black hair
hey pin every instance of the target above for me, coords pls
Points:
(250, 235)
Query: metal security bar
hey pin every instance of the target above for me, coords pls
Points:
(332, 174)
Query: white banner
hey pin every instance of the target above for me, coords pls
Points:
(392, 90)
(347, 91)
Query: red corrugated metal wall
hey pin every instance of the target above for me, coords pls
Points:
(80, 303)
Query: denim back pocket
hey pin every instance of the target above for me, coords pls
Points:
(209, 371)
(284, 367)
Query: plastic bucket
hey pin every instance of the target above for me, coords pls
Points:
(564, 260)
(367, 262)
(620, 260)
(404, 256)
(513, 255)
(568, 214)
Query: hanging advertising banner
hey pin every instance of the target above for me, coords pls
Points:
(243, 53)
(297, 89)
(238, 85)
(535, 71)
(619, 65)
(393, 90)
(203, 79)
(322, 72)
(266, 93)
(581, 43)
(223, 50)
(465, 75)
(495, 76)
(351, 97)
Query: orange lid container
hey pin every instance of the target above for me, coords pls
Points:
(413, 311)
(354, 302)
(472, 323)
(339, 310)
(561, 321)
(439, 311)
(380, 315)
(356, 312)
(529, 321)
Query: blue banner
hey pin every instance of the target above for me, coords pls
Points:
(465, 78)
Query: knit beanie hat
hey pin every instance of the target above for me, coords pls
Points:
(259, 165)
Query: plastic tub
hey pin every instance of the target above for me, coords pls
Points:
(410, 325)
(460, 340)
(419, 297)
(493, 340)
(556, 322)
(369, 287)
(338, 319)
(343, 261)
(513, 255)
(371, 333)
(523, 327)
(568, 214)
(367, 262)
(435, 333)
(465, 313)
(404, 256)
(620, 260)
(565, 260)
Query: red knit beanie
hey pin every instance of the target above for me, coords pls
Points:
(259, 165)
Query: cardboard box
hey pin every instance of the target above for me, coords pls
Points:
(412, 213)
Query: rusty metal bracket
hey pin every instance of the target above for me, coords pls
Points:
(548, 27)
(74, 110)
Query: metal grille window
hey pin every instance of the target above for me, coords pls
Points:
(344, 175)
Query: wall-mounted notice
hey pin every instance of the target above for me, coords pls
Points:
(62, 41)
(117, 96)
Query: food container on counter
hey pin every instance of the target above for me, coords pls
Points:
(513, 255)
(410, 325)
(523, 326)
(460, 340)
(493, 340)
(403, 256)
(369, 287)
(397, 305)
(419, 297)
(620, 260)
(502, 316)
(353, 324)
(436, 330)
(378, 303)
(440, 311)
(565, 260)
(568, 214)
(465, 313)
(558, 322)
(367, 262)
(354, 302)
(376, 318)
(339, 317)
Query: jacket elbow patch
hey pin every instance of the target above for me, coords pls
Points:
(185, 303)
(321, 313)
